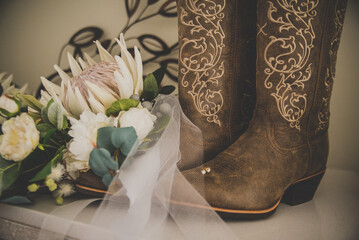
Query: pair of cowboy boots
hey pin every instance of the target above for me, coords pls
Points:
(275, 58)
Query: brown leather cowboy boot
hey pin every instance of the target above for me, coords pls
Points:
(283, 154)
(216, 72)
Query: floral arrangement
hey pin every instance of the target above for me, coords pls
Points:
(91, 122)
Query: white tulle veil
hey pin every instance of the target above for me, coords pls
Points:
(138, 205)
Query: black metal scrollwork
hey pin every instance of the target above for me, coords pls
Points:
(160, 52)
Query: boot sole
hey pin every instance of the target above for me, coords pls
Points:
(299, 192)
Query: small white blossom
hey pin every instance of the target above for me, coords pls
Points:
(140, 119)
(20, 138)
(57, 172)
(64, 190)
(73, 165)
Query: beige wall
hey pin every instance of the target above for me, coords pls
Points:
(32, 33)
(344, 125)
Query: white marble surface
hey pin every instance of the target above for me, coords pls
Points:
(332, 215)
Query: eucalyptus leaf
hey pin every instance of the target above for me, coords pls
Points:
(9, 172)
(104, 138)
(101, 161)
(124, 139)
(120, 158)
(16, 200)
(121, 105)
(107, 179)
(31, 102)
(45, 171)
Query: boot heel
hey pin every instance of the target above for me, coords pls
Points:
(302, 191)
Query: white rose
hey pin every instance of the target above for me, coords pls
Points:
(20, 137)
(140, 119)
(8, 104)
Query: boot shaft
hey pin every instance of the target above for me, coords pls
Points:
(296, 55)
(217, 68)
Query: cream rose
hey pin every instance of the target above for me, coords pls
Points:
(20, 137)
(140, 119)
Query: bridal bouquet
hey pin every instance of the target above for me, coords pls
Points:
(92, 122)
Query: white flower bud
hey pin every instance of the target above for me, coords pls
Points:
(8, 103)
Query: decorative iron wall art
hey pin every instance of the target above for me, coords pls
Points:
(138, 12)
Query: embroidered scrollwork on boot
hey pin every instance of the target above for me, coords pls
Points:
(286, 55)
(324, 114)
(202, 70)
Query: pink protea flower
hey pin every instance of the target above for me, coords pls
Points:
(95, 86)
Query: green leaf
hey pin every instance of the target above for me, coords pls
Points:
(31, 102)
(6, 114)
(44, 128)
(124, 139)
(49, 135)
(150, 88)
(44, 117)
(42, 174)
(17, 200)
(161, 124)
(9, 172)
(65, 123)
(18, 103)
(55, 114)
(121, 105)
(166, 90)
(159, 74)
(35, 116)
